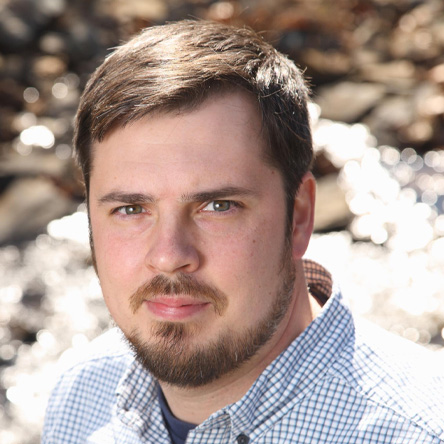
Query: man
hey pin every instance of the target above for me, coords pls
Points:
(195, 146)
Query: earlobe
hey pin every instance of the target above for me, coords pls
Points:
(303, 215)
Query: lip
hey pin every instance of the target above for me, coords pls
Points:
(175, 308)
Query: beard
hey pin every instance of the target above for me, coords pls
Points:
(172, 358)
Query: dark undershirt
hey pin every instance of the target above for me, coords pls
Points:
(177, 429)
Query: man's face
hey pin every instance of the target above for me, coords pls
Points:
(189, 225)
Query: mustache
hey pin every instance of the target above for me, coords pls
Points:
(183, 285)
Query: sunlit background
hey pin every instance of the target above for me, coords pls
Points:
(377, 72)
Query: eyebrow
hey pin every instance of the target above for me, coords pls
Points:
(128, 198)
(220, 193)
(201, 196)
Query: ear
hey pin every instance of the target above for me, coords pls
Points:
(303, 215)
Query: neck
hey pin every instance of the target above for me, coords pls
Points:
(195, 405)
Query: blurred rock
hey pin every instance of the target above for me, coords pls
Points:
(15, 33)
(6, 128)
(348, 101)
(35, 164)
(27, 206)
(52, 8)
(331, 211)
(33, 295)
(417, 36)
(331, 63)
(21, 20)
(389, 116)
(154, 10)
(398, 75)
(411, 119)
(49, 67)
(323, 166)
(82, 39)
(11, 94)
(222, 11)
(418, 133)
(436, 74)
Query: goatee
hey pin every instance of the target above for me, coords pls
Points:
(173, 357)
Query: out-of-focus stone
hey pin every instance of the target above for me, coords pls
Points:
(331, 211)
(330, 62)
(411, 119)
(61, 171)
(11, 94)
(323, 166)
(52, 8)
(363, 57)
(21, 21)
(34, 294)
(33, 165)
(418, 133)
(437, 30)
(399, 73)
(11, 100)
(13, 66)
(53, 43)
(7, 131)
(27, 206)
(389, 116)
(222, 11)
(436, 74)
(348, 101)
(428, 98)
(15, 33)
(49, 67)
(155, 10)
(82, 41)
(418, 45)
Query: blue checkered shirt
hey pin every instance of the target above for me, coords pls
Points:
(341, 381)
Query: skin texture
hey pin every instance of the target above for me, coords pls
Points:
(189, 194)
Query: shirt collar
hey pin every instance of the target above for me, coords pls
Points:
(319, 280)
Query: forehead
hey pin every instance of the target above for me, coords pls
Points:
(224, 134)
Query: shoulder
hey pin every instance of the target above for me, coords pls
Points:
(85, 393)
(395, 376)
(108, 355)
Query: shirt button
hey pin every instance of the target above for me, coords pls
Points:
(242, 439)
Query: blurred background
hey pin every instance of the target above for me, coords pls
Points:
(377, 72)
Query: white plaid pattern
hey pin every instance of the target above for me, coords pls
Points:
(337, 383)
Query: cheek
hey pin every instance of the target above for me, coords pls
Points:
(117, 258)
(249, 265)
(118, 276)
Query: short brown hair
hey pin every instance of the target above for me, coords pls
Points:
(181, 64)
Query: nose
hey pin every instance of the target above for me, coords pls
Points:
(171, 248)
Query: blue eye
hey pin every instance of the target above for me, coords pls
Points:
(128, 210)
(219, 206)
